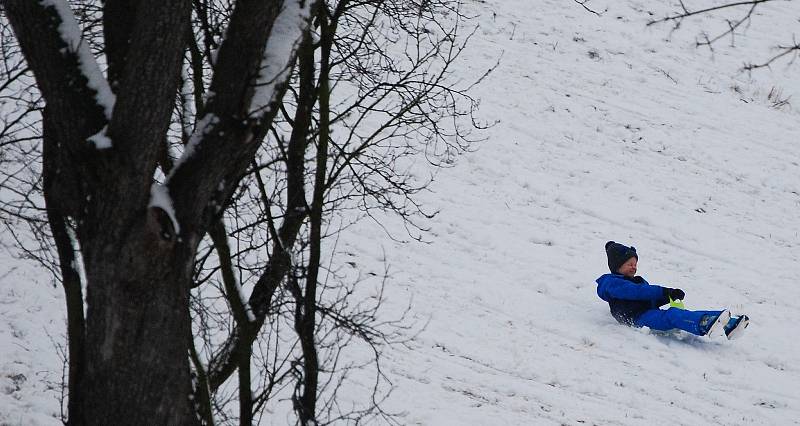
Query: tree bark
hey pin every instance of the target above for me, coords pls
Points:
(137, 371)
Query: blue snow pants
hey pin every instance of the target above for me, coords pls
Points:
(686, 320)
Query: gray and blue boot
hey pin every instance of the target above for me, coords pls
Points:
(711, 325)
(736, 326)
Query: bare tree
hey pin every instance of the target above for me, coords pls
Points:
(355, 111)
(129, 360)
(200, 247)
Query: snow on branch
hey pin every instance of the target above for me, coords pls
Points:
(203, 127)
(276, 62)
(70, 33)
(279, 53)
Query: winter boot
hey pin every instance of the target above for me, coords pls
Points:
(735, 326)
(711, 325)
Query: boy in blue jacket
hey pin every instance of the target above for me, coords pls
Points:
(635, 302)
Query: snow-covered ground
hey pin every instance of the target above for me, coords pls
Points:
(32, 327)
(608, 130)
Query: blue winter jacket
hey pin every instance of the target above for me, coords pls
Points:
(628, 298)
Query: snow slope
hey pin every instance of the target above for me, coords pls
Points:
(607, 130)
(32, 325)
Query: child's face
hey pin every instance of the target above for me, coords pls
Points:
(629, 268)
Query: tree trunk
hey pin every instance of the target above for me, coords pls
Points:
(137, 369)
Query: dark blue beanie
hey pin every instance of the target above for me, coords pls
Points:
(618, 254)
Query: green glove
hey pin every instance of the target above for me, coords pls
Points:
(676, 304)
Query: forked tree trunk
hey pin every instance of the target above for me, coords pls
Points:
(133, 349)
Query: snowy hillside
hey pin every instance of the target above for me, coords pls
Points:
(607, 130)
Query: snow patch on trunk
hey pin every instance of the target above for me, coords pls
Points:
(245, 304)
(100, 139)
(78, 265)
(159, 197)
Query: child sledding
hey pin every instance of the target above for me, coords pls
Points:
(635, 302)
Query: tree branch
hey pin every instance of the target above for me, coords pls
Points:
(226, 137)
(784, 50)
(732, 24)
(57, 68)
(583, 4)
(146, 74)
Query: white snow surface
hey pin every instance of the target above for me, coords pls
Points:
(608, 130)
(71, 34)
